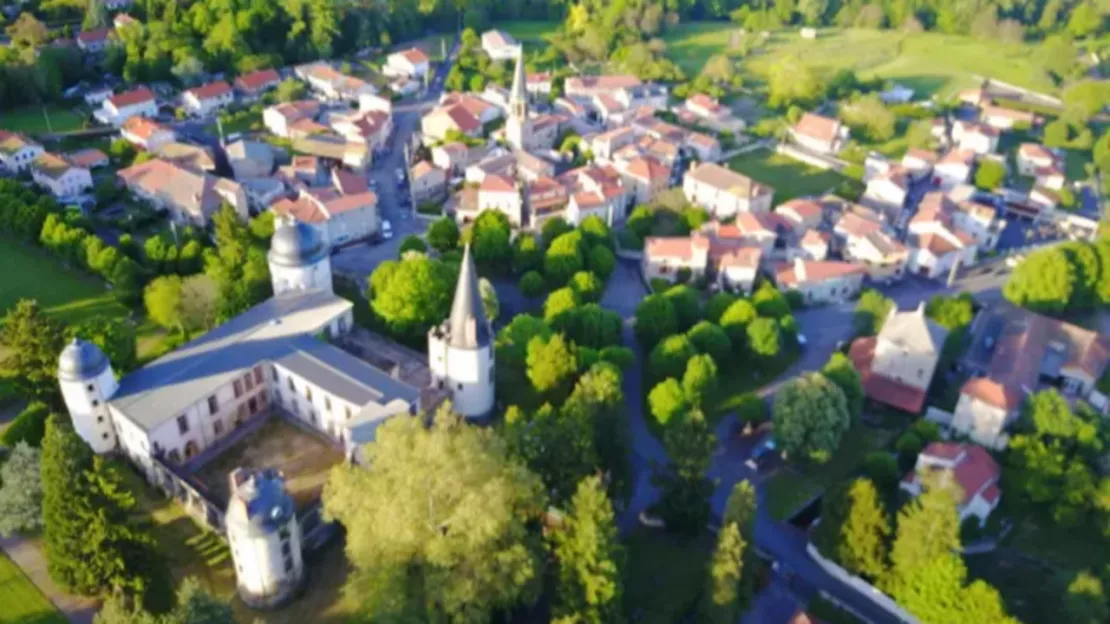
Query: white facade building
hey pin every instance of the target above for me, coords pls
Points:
(206, 99)
(17, 152)
(460, 351)
(264, 536)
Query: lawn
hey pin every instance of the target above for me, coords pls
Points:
(739, 380)
(22, 602)
(68, 295)
(664, 576)
(690, 45)
(787, 176)
(931, 63)
(1069, 548)
(32, 120)
(529, 30)
(1031, 592)
(826, 611)
(797, 483)
(190, 550)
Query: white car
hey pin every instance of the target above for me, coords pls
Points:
(387, 230)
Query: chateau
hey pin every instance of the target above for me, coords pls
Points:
(274, 368)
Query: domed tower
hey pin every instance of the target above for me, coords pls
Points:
(264, 536)
(460, 351)
(88, 382)
(517, 125)
(299, 258)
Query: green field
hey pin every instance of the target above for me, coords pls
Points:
(22, 602)
(33, 121)
(528, 30)
(787, 176)
(68, 295)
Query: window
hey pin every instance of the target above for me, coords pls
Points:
(104, 435)
(327, 404)
(242, 411)
(292, 386)
(347, 410)
(284, 533)
(286, 549)
(95, 403)
(460, 387)
(273, 374)
(213, 404)
(182, 424)
(218, 427)
(89, 387)
(238, 386)
(100, 420)
(288, 564)
(248, 382)
(312, 415)
(252, 405)
(258, 375)
(308, 393)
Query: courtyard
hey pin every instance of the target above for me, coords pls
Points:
(790, 178)
(304, 458)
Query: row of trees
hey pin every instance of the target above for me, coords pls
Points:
(1062, 279)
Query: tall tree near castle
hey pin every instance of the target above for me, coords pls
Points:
(92, 546)
(238, 266)
(854, 529)
(589, 559)
(33, 342)
(439, 523)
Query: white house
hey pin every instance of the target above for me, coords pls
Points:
(412, 63)
(802, 214)
(644, 177)
(147, 133)
(881, 255)
(120, 107)
(190, 196)
(500, 193)
(723, 192)
(339, 218)
(203, 100)
(968, 467)
(814, 245)
(887, 192)
(17, 152)
(919, 163)
(427, 181)
(954, 168)
(820, 281)
(283, 119)
(936, 245)
(331, 84)
(1003, 119)
(985, 409)
(1032, 158)
(94, 41)
(979, 138)
(500, 45)
(820, 134)
(59, 176)
(897, 366)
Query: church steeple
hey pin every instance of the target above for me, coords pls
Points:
(467, 325)
(518, 97)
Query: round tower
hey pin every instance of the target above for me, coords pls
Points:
(88, 382)
(298, 258)
(264, 537)
(460, 351)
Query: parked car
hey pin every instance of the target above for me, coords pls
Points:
(802, 342)
(387, 230)
(762, 453)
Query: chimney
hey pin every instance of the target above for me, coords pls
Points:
(799, 269)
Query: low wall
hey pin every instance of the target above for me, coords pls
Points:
(816, 160)
(865, 589)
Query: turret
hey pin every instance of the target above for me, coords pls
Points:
(516, 126)
(460, 351)
(298, 258)
(87, 383)
(264, 536)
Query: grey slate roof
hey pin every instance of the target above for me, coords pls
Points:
(296, 244)
(520, 81)
(282, 330)
(80, 361)
(913, 330)
(259, 504)
(467, 326)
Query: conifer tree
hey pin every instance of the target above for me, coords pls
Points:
(589, 557)
(65, 459)
(721, 600)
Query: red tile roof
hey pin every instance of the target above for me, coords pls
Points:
(807, 209)
(463, 118)
(649, 169)
(415, 56)
(817, 127)
(992, 393)
(211, 90)
(142, 127)
(882, 389)
(975, 469)
(257, 80)
(494, 183)
(675, 247)
(94, 36)
(815, 271)
(129, 98)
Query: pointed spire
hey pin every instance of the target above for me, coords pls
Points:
(467, 325)
(520, 81)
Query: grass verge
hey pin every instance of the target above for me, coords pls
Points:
(787, 176)
(33, 120)
(664, 576)
(20, 601)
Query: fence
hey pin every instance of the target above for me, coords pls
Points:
(864, 588)
(810, 158)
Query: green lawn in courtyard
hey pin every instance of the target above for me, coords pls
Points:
(20, 601)
(790, 178)
(664, 575)
(931, 63)
(529, 30)
(32, 119)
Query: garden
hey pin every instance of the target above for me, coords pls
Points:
(790, 178)
(23, 602)
(42, 120)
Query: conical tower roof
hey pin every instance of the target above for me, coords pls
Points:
(520, 81)
(467, 325)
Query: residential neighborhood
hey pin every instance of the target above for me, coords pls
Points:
(565, 312)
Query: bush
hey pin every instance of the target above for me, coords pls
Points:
(909, 445)
(751, 409)
(882, 469)
(623, 357)
(602, 261)
(532, 284)
(683, 275)
(659, 284)
(28, 427)
(412, 242)
(627, 239)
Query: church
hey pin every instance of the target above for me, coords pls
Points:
(279, 356)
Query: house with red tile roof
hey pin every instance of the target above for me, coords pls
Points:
(954, 168)
(117, 109)
(887, 192)
(546, 198)
(340, 218)
(442, 120)
(328, 82)
(583, 88)
(595, 190)
(190, 196)
(724, 192)
(481, 109)
(968, 467)
(897, 365)
(919, 162)
(802, 213)
(147, 133)
(428, 182)
(17, 152)
(979, 138)
(644, 177)
(500, 193)
(936, 244)
(94, 41)
(666, 256)
(204, 100)
(1034, 157)
(411, 63)
(1003, 119)
(500, 45)
(823, 135)
(372, 127)
(820, 281)
(292, 119)
(253, 84)
(814, 245)
(707, 107)
(59, 175)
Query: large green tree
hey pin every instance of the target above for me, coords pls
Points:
(840, 370)
(589, 558)
(655, 319)
(854, 529)
(412, 295)
(32, 342)
(1043, 282)
(872, 309)
(21, 491)
(684, 500)
(237, 265)
(440, 523)
(810, 415)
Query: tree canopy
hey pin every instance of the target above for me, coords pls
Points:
(810, 415)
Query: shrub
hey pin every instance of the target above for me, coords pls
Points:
(630, 240)
(882, 468)
(659, 284)
(532, 284)
(751, 409)
(28, 427)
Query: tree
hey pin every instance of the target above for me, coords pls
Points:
(194, 606)
(684, 500)
(1043, 282)
(28, 427)
(735, 321)
(589, 558)
(990, 175)
(564, 258)
(489, 240)
(532, 285)
(237, 265)
(717, 304)
(602, 262)
(1085, 600)
(858, 530)
(554, 228)
(882, 468)
(559, 304)
(872, 308)
(412, 295)
(588, 287)
(810, 415)
(700, 379)
(769, 302)
(491, 305)
(443, 234)
(725, 570)
(790, 81)
(115, 338)
(27, 31)
(655, 319)
(686, 303)
(1085, 19)
(668, 401)
(527, 253)
(551, 365)
(669, 357)
(841, 371)
(33, 342)
(434, 502)
(65, 459)
(557, 445)
(869, 118)
(412, 243)
(711, 340)
(290, 89)
(764, 339)
(21, 491)
(593, 326)
(199, 305)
